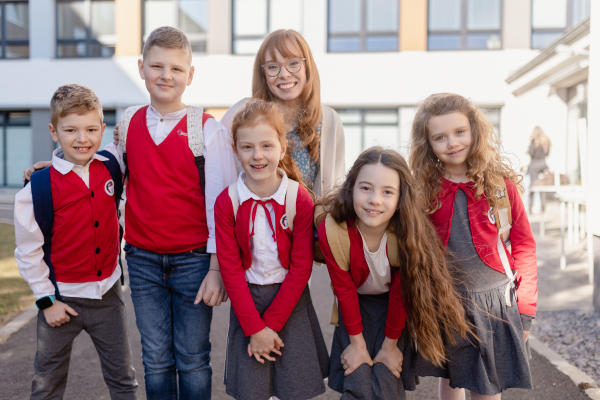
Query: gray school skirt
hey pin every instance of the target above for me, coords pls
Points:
(376, 382)
(499, 360)
(297, 374)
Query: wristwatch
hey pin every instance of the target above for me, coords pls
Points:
(45, 302)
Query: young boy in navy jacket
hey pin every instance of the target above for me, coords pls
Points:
(80, 289)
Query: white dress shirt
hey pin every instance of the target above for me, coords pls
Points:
(266, 268)
(30, 239)
(380, 276)
(219, 159)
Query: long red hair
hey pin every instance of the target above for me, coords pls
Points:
(432, 302)
(291, 44)
(486, 166)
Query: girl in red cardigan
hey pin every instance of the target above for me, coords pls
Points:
(396, 269)
(266, 261)
(455, 158)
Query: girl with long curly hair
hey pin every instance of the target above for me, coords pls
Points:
(274, 346)
(456, 160)
(381, 207)
(285, 72)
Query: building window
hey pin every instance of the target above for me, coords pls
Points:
(493, 114)
(85, 28)
(255, 19)
(464, 25)
(363, 25)
(191, 16)
(364, 128)
(15, 146)
(110, 119)
(550, 18)
(14, 29)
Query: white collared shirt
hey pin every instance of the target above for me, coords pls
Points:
(161, 126)
(30, 239)
(219, 166)
(266, 268)
(380, 274)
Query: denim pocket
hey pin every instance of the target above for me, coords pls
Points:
(128, 248)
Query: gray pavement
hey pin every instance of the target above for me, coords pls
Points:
(85, 378)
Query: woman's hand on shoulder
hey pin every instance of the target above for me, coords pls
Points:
(264, 342)
(355, 354)
(391, 356)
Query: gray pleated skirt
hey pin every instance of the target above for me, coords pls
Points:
(297, 374)
(376, 382)
(499, 360)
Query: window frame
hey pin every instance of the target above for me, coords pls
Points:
(89, 41)
(558, 31)
(363, 34)
(463, 32)
(4, 124)
(195, 39)
(4, 42)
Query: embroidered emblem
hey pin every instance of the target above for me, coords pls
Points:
(109, 187)
(491, 216)
(182, 133)
(500, 193)
(284, 222)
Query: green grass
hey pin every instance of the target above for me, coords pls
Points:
(15, 294)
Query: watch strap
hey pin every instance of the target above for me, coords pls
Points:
(45, 302)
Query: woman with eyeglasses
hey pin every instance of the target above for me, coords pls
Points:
(285, 72)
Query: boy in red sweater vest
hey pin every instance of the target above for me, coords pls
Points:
(80, 288)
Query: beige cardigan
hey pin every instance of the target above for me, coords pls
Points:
(331, 171)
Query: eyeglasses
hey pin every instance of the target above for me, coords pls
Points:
(273, 69)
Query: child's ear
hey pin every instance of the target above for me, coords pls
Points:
(190, 76)
(53, 133)
(141, 68)
(283, 148)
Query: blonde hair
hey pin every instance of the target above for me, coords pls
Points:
(73, 99)
(167, 37)
(486, 167)
(539, 138)
(310, 98)
(256, 111)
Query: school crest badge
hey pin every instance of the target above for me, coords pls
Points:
(284, 222)
(181, 133)
(491, 216)
(109, 187)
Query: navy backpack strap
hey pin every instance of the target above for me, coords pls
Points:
(43, 209)
(200, 159)
(113, 167)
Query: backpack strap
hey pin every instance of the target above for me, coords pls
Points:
(339, 242)
(113, 167)
(196, 118)
(291, 196)
(235, 200)
(124, 125)
(392, 249)
(503, 219)
(43, 209)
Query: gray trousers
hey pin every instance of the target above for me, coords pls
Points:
(106, 322)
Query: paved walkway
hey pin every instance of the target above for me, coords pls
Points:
(85, 382)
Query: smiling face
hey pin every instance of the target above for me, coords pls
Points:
(79, 136)
(259, 151)
(450, 138)
(167, 72)
(375, 196)
(286, 86)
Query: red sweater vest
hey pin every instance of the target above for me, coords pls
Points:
(295, 253)
(165, 211)
(346, 283)
(85, 234)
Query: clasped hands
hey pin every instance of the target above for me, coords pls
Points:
(356, 354)
(264, 342)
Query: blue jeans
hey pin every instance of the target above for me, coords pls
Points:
(175, 332)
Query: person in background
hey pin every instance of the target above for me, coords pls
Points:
(539, 148)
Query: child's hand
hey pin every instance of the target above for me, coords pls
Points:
(212, 290)
(38, 165)
(116, 134)
(264, 342)
(526, 333)
(355, 354)
(391, 356)
(58, 314)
